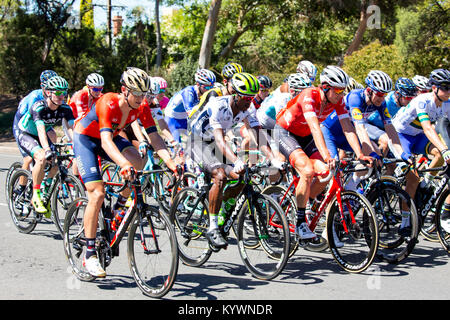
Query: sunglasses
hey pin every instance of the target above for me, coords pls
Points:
(97, 89)
(208, 87)
(246, 98)
(60, 93)
(380, 94)
(138, 93)
(339, 90)
(408, 98)
(162, 90)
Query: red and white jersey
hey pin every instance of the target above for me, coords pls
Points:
(81, 102)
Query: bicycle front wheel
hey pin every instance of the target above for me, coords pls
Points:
(352, 233)
(12, 168)
(443, 235)
(264, 222)
(153, 252)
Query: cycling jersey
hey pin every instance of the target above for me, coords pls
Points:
(214, 92)
(156, 111)
(307, 104)
(79, 102)
(41, 114)
(163, 102)
(217, 114)
(392, 107)
(182, 103)
(28, 101)
(106, 115)
(408, 119)
(267, 113)
(359, 110)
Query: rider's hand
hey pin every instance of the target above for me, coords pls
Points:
(277, 164)
(128, 172)
(331, 163)
(143, 148)
(48, 154)
(446, 155)
(239, 166)
(368, 159)
(406, 157)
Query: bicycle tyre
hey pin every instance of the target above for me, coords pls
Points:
(64, 194)
(361, 239)
(443, 236)
(12, 168)
(193, 247)
(270, 227)
(21, 210)
(393, 248)
(157, 283)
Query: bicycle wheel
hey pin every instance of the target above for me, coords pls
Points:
(12, 168)
(153, 252)
(387, 204)
(289, 206)
(74, 240)
(191, 219)
(444, 236)
(263, 221)
(359, 237)
(19, 203)
(62, 196)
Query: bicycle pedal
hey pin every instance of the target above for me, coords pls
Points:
(214, 248)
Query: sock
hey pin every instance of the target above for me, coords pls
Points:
(301, 216)
(213, 221)
(36, 187)
(405, 219)
(446, 212)
(90, 248)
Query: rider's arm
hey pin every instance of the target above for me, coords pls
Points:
(393, 135)
(222, 145)
(42, 134)
(350, 134)
(258, 137)
(313, 123)
(431, 134)
(137, 131)
(160, 148)
(111, 149)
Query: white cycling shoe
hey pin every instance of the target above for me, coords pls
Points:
(337, 243)
(304, 232)
(93, 266)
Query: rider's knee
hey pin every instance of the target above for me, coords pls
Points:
(219, 177)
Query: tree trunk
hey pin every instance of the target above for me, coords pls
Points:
(158, 36)
(208, 35)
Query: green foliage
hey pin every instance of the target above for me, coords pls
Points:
(183, 74)
(376, 56)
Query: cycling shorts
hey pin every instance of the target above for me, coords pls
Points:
(29, 143)
(175, 125)
(87, 150)
(207, 155)
(289, 142)
(418, 144)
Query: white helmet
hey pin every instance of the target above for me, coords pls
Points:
(299, 81)
(308, 68)
(95, 80)
(334, 77)
(379, 81)
(154, 85)
(135, 79)
(352, 85)
(205, 77)
(421, 82)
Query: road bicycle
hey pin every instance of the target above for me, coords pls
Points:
(63, 189)
(260, 226)
(151, 244)
(349, 219)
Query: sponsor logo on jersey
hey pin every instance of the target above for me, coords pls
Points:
(357, 114)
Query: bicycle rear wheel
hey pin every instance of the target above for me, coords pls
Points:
(64, 194)
(12, 168)
(153, 252)
(264, 222)
(444, 236)
(19, 202)
(359, 237)
(191, 220)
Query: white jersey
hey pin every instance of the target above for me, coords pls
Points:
(217, 114)
(408, 119)
(267, 113)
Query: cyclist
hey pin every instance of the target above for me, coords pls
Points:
(308, 68)
(299, 132)
(161, 95)
(181, 104)
(352, 85)
(421, 83)
(33, 127)
(82, 100)
(96, 134)
(208, 147)
(418, 136)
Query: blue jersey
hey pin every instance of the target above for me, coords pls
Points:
(28, 101)
(392, 107)
(181, 104)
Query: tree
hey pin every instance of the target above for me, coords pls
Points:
(208, 35)
(158, 36)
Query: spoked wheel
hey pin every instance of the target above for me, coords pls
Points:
(153, 252)
(191, 220)
(21, 191)
(264, 222)
(353, 241)
(443, 234)
(12, 168)
(74, 239)
(64, 194)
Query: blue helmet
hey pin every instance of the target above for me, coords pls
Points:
(46, 75)
(405, 87)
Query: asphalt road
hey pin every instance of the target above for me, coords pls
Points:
(33, 267)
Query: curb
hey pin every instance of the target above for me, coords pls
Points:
(9, 148)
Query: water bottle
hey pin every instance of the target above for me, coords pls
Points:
(226, 208)
(117, 220)
(400, 169)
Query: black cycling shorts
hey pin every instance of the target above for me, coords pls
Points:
(289, 142)
(207, 155)
(30, 143)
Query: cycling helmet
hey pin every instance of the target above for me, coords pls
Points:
(218, 85)
(231, 68)
(308, 68)
(421, 82)
(439, 77)
(45, 75)
(95, 80)
(245, 84)
(352, 85)
(56, 83)
(405, 87)
(135, 79)
(205, 77)
(334, 77)
(162, 82)
(379, 81)
(265, 82)
(298, 81)
(154, 85)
